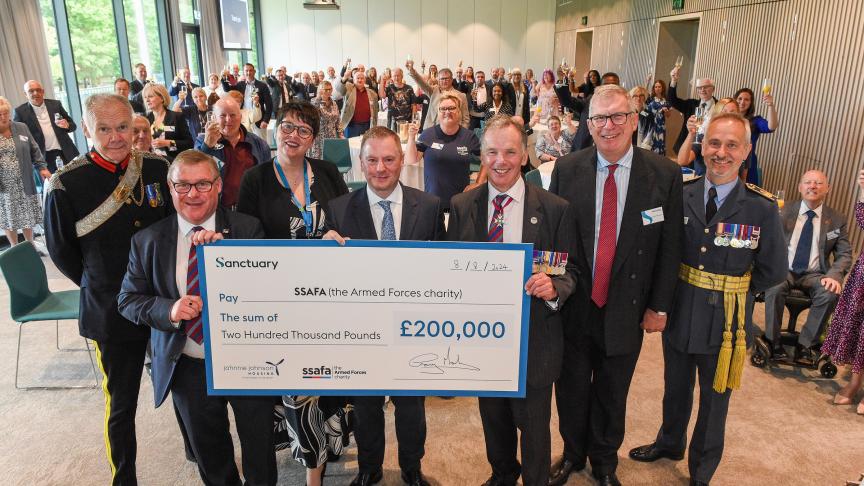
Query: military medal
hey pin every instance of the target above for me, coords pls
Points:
(154, 197)
(754, 238)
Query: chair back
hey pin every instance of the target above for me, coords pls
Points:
(26, 278)
(533, 177)
(336, 150)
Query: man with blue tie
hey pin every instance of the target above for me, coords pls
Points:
(161, 290)
(507, 210)
(386, 210)
(814, 232)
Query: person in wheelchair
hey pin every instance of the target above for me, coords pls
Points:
(814, 233)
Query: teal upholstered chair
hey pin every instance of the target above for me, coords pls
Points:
(32, 301)
(336, 150)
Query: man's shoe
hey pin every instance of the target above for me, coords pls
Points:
(694, 482)
(778, 353)
(367, 479)
(650, 453)
(608, 480)
(804, 356)
(414, 478)
(498, 481)
(561, 470)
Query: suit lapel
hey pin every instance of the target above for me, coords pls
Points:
(409, 215)
(532, 216)
(168, 254)
(480, 213)
(361, 215)
(695, 201)
(585, 205)
(638, 194)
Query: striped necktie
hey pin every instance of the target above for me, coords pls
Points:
(194, 328)
(607, 240)
(496, 226)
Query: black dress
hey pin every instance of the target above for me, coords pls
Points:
(174, 127)
(311, 426)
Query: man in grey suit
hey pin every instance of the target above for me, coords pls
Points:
(732, 249)
(508, 210)
(386, 210)
(627, 206)
(161, 290)
(814, 232)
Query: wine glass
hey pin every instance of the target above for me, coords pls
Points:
(780, 195)
(767, 86)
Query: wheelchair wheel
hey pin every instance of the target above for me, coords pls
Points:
(828, 370)
(758, 359)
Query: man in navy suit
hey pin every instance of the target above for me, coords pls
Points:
(179, 84)
(157, 292)
(386, 210)
(510, 211)
(249, 86)
(49, 123)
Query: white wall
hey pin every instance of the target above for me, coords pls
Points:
(480, 33)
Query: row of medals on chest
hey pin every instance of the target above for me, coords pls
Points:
(737, 236)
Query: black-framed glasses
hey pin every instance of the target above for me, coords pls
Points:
(600, 121)
(200, 186)
(288, 128)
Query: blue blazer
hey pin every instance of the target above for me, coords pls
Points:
(149, 288)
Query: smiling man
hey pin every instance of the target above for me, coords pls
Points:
(95, 205)
(507, 210)
(386, 210)
(49, 124)
(819, 255)
(733, 249)
(687, 107)
(160, 291)
(627, 203)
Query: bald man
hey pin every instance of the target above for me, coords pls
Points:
(818, 257)
(49, 123)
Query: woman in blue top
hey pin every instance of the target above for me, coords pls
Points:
(758, 126)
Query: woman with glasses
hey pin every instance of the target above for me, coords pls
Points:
(448, 151)
(328, 111)
(289, 196)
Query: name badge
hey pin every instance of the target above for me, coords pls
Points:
(437, 146)
(462, 151)
(686, 219)
(833, 234)
(23, 138)
(652, 216)
(168, 128)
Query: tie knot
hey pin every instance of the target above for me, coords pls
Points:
(501, 201)
(810, 214)
(196, 229)
(712, 192)
(612, 168)
(385, 205)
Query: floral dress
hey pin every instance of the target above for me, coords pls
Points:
(546, 103)
(17, 209)
(658, 136)
(845, 341)
(329, 126)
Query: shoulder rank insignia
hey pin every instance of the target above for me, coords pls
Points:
(54, 180)
(153, 155)
(762, 192)
(693, 179)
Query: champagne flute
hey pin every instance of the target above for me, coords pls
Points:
(780, 195)
(699, 113)
(767, 86)
(679, 61)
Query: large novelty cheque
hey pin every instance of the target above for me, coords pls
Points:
(371, 318)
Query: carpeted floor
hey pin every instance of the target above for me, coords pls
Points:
(782, 428)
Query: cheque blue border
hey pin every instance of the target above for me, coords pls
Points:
(526, 248)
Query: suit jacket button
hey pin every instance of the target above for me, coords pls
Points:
(703, 249)
(706, 231)
(638, 252)
(701, 267)
(137, 224)
(634, 301)
(632, 276)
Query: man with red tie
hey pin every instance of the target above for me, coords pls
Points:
(508, 210)
(629, 231)
(161, 290)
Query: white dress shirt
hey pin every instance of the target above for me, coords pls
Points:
(47, 125)
(513, 212)
(813, 266)
(622, 182)
(395, 199)
(184, 242)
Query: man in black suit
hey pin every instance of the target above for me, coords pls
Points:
(510, 211)
(627, 203)
(137, 84)
(814, 232)
(582, 139)
(386, 210)
(281, 88)
(95, 205)
(181, 82)
(733, 249)
(49, 123)
(121, 87)
(249, 86)
(687, 107)
(157, 292)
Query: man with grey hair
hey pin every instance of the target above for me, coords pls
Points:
(95, 205)
(445, 86)
(687, 107)
(507, 210)
(628, 209)
(49, 124)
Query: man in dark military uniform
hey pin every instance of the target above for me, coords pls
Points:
(96, 203)
(733, 249)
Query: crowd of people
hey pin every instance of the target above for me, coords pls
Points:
(179, 165)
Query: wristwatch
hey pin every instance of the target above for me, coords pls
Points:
(661, 313)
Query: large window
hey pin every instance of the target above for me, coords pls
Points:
(57, 78)
(142, 30)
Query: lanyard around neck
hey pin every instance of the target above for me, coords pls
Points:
(305, 212)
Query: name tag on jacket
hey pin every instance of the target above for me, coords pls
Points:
(832, 234)
(651, 216)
